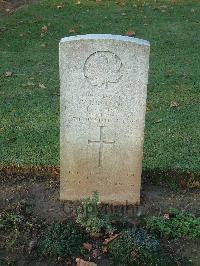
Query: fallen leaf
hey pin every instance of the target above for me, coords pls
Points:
(130, 33)
(60, 6)
(104, 249)
(158, 121)
(78, 2)
(30, 84)
(72, 30)
(98, 1)
(174, 104)
(8, 74)
(44, 29)
(80, 262)
(44, 45)
(41, 86)
(3, 29)
(108, 240)
(166, 216)
(87, 246)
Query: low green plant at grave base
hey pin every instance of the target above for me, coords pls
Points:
(61, 240)
(174, 224)
(90, 217)
(137, 247)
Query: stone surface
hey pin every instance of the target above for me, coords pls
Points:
(103, 103)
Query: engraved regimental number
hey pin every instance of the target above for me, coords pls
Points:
(102, 68)
(101, 142)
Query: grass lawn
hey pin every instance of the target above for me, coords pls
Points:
(29, 106)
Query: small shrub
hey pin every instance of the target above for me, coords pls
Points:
(61, 240)
(174, 224)
(137, 247)
(90, 217)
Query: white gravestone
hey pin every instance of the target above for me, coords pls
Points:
(103, 103)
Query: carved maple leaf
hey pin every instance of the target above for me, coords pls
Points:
(103, 68)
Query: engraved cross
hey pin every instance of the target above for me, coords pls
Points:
(101, 141)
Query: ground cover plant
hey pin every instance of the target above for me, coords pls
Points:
(30, 84)
(175, 223)
(42, 231)
(61, 240)
(137, 247)
(91, 218)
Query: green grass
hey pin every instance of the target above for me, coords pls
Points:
(29, 115)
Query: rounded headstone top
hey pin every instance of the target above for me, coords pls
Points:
(105, 37)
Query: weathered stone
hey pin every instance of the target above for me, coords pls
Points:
(103, 102)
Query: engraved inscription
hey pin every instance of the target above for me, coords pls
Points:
(101, 141)
(103, 67)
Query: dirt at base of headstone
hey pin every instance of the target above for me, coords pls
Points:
(43, 194)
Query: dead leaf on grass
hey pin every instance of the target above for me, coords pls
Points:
(72, 30)
(108, 240)
(87, 246)
(44, 45)
(60, 6)
(42, 86)
(130, 33)
(44, 29)
(8, 74)
(3, 29)
(158, 121)
(174, 104)
(78, 2)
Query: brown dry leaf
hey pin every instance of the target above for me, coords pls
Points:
(87, 246)
(8, 74)
(104, 249)
(174, 104)
(80, 262)
(72, 30)
(108, 240)
(130, 33)
(44, 29)
(78, 2)
(98, 1)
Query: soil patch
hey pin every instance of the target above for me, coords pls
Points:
(42, 193)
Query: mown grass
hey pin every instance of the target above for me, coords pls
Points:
(29, 113)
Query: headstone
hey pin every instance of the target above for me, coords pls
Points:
(103, 103)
